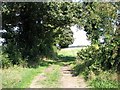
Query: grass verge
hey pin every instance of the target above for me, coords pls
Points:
(19, 77)
(98, 83)
(105, 80)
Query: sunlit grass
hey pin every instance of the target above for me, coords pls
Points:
(18, 77)
(70, 55)
(104, 80)
(69, 52)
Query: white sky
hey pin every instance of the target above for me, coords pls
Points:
(80, 37)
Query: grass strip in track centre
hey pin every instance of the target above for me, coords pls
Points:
(52, 78)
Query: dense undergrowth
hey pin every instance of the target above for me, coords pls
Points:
(99, 66)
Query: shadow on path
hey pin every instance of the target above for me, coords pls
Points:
(61, 60)
(68, 80)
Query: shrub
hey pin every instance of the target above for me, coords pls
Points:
(96, 60)
(99, 57)
(5, 62)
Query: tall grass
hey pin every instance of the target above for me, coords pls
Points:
(104, 80)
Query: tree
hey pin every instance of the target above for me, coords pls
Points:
(64, 37)
(36, 23)
(99, 20)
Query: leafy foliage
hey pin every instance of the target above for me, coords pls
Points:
(100, 21)
(36, 24)
(99, 57)
(64, 37)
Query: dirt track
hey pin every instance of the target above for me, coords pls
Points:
(70, 81)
